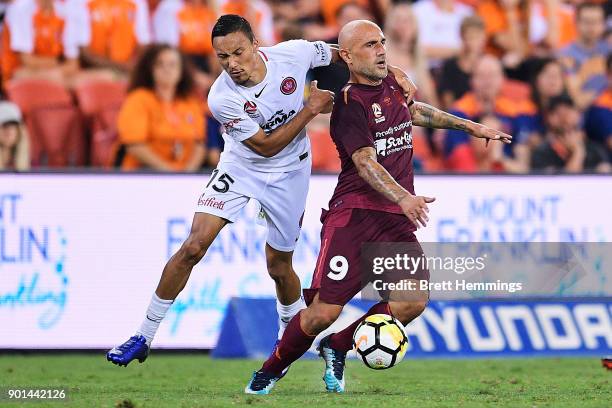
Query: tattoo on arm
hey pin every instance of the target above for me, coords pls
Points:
(376, 175)
(427, 116)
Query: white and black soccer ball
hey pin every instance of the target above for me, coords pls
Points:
(380, 341)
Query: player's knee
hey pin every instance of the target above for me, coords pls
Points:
(405, 312)
(325, 317)
(279, 265)
(192, 251)
(194, 248)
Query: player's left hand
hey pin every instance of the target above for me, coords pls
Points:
(484, 132)
(409, 88)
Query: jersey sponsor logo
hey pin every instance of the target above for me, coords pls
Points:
(377, 110)
(288, 86)
(320, 51)
(250, 107)
(392, 129)
(231, 124)
(211, 202)
(278, 119)
(388, 145)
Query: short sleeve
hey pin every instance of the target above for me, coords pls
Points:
(70, 11)
(133, 120)
(80, 22)
(19, 22)
(311, 53)
(142, 28)
(228, 111)
(350, 128)
(165, 23)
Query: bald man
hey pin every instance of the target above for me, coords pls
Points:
(487, 99)
(374, 202)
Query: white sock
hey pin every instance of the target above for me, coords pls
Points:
(155, 314)
(286, 313)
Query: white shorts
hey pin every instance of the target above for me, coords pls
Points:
(282, 197)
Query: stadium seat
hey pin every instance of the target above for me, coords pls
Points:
(54, 123)
(95, 96)
(104, 140)
(57, 137)
(324, 153)
(31, 94)
(100, 102)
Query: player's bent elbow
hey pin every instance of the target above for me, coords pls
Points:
(262, 149)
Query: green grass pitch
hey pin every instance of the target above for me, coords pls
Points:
(195, 380)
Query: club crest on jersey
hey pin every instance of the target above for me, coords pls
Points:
(377, 110)
(288, 86)
(250, 108)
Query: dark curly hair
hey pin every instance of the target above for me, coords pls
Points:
(142, 74)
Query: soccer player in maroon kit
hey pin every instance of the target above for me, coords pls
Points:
(371, 126)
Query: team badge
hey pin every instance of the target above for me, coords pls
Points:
(288, 86)
(377, 110)
(250, 107)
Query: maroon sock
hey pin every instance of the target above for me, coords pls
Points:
(291, 347)
(343, 340)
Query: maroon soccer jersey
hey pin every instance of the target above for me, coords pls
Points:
(375, 116)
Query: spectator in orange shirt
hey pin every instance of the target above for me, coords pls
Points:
(485, 99)
(187, 24)
(161, 122)
(507, 26)
(551, 25)
(111, 32)
(35, 42)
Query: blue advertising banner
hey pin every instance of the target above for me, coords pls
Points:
(449, 329)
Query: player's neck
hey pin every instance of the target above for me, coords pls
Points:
(363, 80)
(258, 74)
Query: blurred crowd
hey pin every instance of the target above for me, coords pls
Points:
(123, 83)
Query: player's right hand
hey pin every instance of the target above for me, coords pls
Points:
(415, 208)
(320, 100)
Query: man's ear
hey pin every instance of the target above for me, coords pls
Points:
(255, 44)
(345, 56)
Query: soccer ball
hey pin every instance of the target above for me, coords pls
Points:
(380, 341)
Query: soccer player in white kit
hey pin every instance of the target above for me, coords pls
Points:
(259, 100)
(260, 103)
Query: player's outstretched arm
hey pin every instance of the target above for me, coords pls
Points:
(414, 207)
(268, 145)
(427, 116)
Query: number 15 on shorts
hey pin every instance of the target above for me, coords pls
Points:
(338, 266)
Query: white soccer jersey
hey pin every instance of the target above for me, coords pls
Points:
(273, 102)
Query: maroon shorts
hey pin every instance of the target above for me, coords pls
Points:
(338, 275)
